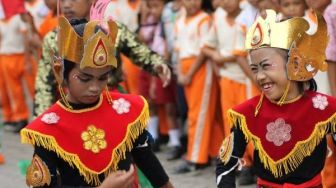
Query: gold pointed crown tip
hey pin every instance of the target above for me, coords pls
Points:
(94, 49)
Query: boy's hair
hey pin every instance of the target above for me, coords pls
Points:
(207, 6)
(303, 1)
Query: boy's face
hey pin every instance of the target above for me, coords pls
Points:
(215, 3)
(267, 4)
(253, 3)
(269, 70)
(51, 4)
(292, 8)
(155, 7)
(86, 85)
(192, 6)
(319, 5)
(76, 9)
(230, 6)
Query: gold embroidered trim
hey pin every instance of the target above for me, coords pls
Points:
(225, 151)
(94, 139)
(134, 129)
(293, 159)
(38, 174)
(82, 110)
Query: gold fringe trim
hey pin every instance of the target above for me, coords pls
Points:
(134, 129)
(293, 159)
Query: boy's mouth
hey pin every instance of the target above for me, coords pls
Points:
(266, 86)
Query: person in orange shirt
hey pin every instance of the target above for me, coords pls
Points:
(225, 47)
(197, 77)
(50, 21)
(14, 67)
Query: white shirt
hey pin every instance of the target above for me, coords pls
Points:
(123, 12)
(191, 34)
(248, 15)
(228, 40)
(12, 38)
(38, 10)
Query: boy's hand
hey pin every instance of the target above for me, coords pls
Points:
(119, 179)
(217, 57)
(164, 73)
(184, 80)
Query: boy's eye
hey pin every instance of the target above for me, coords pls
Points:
(254, 69)
(103, 78)
(83, 79)
(265, 66)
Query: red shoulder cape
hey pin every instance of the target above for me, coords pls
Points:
(71, 133)
(285, 135)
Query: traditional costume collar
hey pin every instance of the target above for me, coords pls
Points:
(285, 135)
(92, 140)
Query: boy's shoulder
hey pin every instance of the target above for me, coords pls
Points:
(132, 98)
(248, 104)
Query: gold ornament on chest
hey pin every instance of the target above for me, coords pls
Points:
(94, 139)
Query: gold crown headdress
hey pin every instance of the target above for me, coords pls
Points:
(94, 49)
(303, 62)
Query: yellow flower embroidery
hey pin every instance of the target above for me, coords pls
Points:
(94, 139)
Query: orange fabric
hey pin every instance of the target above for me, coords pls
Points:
(49, 23)
(13, 70)
(239, 53)
(200, 118)
(311, 16)
(313, 183)
(6, 108)
(131, 73)
(217, 136)
(217, 131)
(2, 159)
(205, 20)
(233, 93)
(329, 170)
(134, 4)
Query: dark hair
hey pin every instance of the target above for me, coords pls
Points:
(207, 6)
(68, 66)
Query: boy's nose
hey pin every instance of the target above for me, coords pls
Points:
(260, 76)
(94, 88)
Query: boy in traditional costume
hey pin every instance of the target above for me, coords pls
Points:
(289, 122)
(88, 134)
(126, 43)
